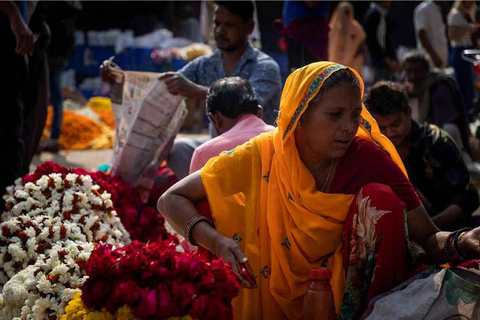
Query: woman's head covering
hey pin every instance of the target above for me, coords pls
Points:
(263, 196)
(304, 84)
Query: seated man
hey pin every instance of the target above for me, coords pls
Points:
(433, 161)
(234, 112)
(435, 98)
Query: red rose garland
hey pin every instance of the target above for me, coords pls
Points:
(157, 282)
(142, 221)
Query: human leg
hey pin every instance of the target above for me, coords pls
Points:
(464, 76)
(56, 68)
(375, 247)
(181, 155)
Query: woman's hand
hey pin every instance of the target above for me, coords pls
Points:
(229, 250)
(469, 243)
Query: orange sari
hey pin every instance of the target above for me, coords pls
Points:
(263, 196)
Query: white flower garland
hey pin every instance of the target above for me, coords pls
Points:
(53, 210)
(42, 291)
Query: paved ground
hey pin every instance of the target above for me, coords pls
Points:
(87, 159)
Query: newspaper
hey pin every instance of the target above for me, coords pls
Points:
(147, 119)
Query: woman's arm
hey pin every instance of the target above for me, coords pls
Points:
(177, 205)
(423, 231)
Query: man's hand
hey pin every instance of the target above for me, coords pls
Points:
(177, 84)
(111, 73)
(23, 35)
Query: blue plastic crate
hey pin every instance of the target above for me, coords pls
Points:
(87, 59)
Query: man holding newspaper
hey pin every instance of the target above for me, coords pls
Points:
(235, 56)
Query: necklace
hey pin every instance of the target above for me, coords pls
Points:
(328, 175)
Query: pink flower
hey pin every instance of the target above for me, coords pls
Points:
(148, 303)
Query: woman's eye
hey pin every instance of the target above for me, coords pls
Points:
(336, 115)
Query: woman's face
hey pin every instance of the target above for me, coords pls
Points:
(329, 126)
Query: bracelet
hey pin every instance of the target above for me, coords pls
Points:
(192, 222)
(455, 243)
(449, 239)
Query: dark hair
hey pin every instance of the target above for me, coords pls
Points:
(232, 97)
(417, 56)
(243, 9)
(386, 98)
(340, 76)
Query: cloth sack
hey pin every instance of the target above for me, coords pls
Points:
(445, 294)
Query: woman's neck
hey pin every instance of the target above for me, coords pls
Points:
(315, 163)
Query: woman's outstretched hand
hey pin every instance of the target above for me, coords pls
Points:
(469, 243)
(229, 250)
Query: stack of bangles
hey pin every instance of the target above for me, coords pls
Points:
(455, 237)
(191, 223)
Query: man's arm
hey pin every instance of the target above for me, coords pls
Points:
(23, 35)
(421, 20)
(422, 35)
(184, 82)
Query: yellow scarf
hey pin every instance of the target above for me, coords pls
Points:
(262, 195)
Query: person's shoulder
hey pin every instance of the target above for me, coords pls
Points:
(205, 148)
(436, 139)
(454, 13)
(371, 13)
(264, 60)
(364, 153)
(423, 7)
(203, 59)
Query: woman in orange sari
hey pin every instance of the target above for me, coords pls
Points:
(324, 188)
(346, 38)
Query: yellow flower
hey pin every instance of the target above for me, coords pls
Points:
(76, 310)
(125, 313)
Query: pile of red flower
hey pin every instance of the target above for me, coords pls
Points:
(141, 220)
(157, 282)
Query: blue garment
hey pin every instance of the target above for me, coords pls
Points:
(258, 68)
(298, 9)
(464, 76)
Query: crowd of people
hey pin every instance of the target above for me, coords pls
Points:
(325, 172)
(330, 184)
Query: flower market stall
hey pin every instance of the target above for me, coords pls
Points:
(88, 127)
(78, 245)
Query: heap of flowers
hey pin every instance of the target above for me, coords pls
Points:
(153, 281)
(43, 290)
(141, 221)
(80, 132)
(52, 210)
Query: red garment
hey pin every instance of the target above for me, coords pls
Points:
(375, 248)
(365, 163)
